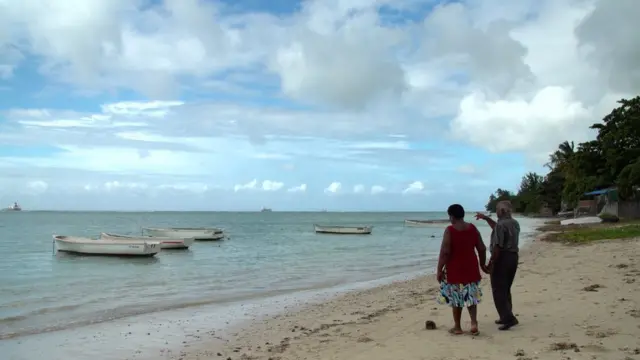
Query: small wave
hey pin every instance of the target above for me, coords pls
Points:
(131, 311)
(42, 311)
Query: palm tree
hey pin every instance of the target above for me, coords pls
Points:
(561, 157)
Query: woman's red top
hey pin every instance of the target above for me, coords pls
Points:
(462, 266)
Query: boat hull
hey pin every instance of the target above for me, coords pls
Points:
(88, 246)
(165, 243)
(343, 230)
(187, 233)
(418, 223)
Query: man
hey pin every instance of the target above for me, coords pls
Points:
(503, 263)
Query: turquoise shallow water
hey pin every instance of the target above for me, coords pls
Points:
(266, 254)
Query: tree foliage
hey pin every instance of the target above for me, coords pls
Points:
(496, 197)
(612, 159)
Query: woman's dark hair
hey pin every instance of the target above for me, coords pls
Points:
(456, 211)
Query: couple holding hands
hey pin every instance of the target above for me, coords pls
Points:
(458, 269)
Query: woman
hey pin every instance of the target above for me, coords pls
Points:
(458, 270)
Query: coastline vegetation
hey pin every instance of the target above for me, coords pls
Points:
(612, 159)
(589, 234)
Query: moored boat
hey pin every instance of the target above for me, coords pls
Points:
(425, 222)
(201, 234)
(87, 246)
(346, 230)
(165, 243)
(14, 207)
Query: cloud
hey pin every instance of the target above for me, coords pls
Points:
(182, 97)
(520, 124)
(269, 185)
(266, 185)
(467, 169)
(333, 188)
(415, 187)
(299, 188)
(248, 186)
(610, 46)
(37, 186)
(136, 108)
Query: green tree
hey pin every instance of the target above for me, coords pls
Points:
(585, 171)
(619, 136)
(528, 198)
(559, 158)
(551, 192)
(495, 198)
(629, 180)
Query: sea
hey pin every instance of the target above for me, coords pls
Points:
(64, 306)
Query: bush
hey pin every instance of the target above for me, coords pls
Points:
(608, 218)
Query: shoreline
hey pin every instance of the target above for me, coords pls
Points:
(387, 322)
(149, 334)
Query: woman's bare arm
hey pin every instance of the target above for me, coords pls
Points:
(445, 252)
(482, 250)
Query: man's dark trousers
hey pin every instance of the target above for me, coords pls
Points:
(502, 275)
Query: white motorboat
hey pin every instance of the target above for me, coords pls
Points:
(345, 230)
(425, 222)
(82, 245)
(165, 243)
(202, 234)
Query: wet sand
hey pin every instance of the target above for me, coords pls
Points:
(573, 302)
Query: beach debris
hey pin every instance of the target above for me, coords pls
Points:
(519, 352)
(430, 325)
(622, 266)
(560, 346)
(593, 287)
(601, 334)
(628, 350)
(634, 313)
(364, 339)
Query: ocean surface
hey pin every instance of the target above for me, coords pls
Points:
(266, 255)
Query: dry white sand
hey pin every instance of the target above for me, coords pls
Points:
(573, 302)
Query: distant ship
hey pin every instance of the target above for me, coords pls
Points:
(264, 209)
(14, 207)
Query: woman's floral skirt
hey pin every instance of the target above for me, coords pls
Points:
(460, 295)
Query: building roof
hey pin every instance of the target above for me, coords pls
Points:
(599, 192)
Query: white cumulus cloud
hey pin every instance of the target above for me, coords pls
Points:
(415, 187)
(333, 188)
(299, 188)
(269, 185)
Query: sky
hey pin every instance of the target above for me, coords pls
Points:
(299, 105)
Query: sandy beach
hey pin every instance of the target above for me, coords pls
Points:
(573, 302)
